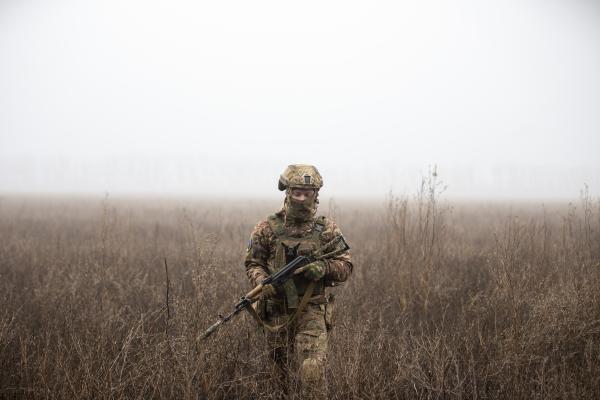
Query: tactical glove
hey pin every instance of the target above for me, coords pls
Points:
(315, 271)
(268, 292)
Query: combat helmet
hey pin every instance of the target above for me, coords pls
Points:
(300, 176)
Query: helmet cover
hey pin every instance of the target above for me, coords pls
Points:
(300, 176)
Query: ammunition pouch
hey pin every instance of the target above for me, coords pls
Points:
(275, 307)
(271, 307)
(287, 248)
(261, 309)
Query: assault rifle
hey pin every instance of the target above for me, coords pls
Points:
(277, 279)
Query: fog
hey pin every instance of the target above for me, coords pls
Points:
(216, 98)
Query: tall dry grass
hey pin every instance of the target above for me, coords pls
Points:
(464, 300)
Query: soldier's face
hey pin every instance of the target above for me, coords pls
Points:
(302, 194)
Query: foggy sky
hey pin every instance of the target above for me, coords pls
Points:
(216, 98)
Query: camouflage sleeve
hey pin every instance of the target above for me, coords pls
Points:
(338, 268)
(258, 252)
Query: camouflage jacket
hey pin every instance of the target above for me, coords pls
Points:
(261, 251)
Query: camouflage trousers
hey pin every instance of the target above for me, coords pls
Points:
(298, 351)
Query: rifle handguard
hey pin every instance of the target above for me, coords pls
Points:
(256, 291)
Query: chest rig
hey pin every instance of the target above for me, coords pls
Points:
(288, 247)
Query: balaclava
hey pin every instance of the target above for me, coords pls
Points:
(299, 212)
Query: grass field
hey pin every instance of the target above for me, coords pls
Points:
(447, 300)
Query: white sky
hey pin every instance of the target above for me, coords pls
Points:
(217, 97)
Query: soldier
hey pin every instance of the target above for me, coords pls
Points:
(297, 316)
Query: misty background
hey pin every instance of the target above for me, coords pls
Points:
(216, 98)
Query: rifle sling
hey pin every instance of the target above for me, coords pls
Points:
(301, 306)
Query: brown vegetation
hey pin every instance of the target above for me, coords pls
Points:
(463, 301)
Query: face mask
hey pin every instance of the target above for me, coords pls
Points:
(300, 211)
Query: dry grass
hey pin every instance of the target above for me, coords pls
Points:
(463, 301)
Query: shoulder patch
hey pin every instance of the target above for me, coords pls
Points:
(320, 224)
(249, 245)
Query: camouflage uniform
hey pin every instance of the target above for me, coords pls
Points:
(305, 337)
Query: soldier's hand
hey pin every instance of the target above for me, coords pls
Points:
(315, 270)
(268, 292)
